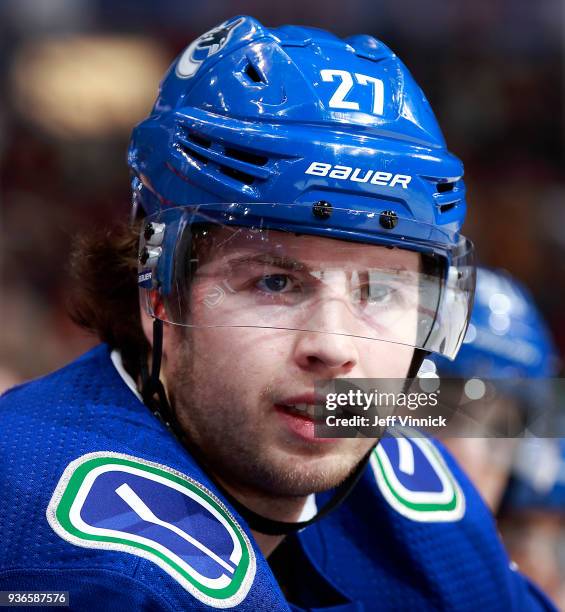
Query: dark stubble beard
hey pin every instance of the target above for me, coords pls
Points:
(232, 441)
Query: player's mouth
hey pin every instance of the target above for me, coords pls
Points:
(307, 405)
(301, 414)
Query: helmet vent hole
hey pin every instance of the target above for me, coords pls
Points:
(445, 187)
(238, 175)
(200, 140)
(192, 155)
(244, 156)
(253, 74)
(446, 207)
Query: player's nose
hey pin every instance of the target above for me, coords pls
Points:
(326, 347)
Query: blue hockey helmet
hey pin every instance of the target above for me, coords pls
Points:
(263, 133)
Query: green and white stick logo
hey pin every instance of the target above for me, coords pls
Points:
(119, 502)
(415, 480)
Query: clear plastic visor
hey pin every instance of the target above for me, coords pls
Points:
(211, 274)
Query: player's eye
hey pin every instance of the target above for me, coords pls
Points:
(276, 283)
(375, 293)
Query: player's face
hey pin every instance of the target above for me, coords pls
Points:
(240, 392)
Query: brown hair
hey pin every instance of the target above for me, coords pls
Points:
(103, 268)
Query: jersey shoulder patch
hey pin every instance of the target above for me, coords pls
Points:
(414, 479)
(113, 501)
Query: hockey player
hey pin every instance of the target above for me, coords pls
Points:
(301, 223)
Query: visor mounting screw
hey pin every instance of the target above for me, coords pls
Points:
(322, 210)
(150, 256)
(388, 219)
(149, 231)
(154, 233)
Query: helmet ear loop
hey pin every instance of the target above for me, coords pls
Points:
(150, 381)
(152, 390)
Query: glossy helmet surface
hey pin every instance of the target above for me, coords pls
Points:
(295, 115)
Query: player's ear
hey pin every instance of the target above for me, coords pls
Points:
(147, 325)
(147, 320)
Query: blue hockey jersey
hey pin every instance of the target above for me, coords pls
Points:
(100, 500)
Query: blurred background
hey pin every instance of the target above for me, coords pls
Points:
(75, 75)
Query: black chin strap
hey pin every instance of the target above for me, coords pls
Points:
(152, 390)
(269, 526)
(155, 398)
